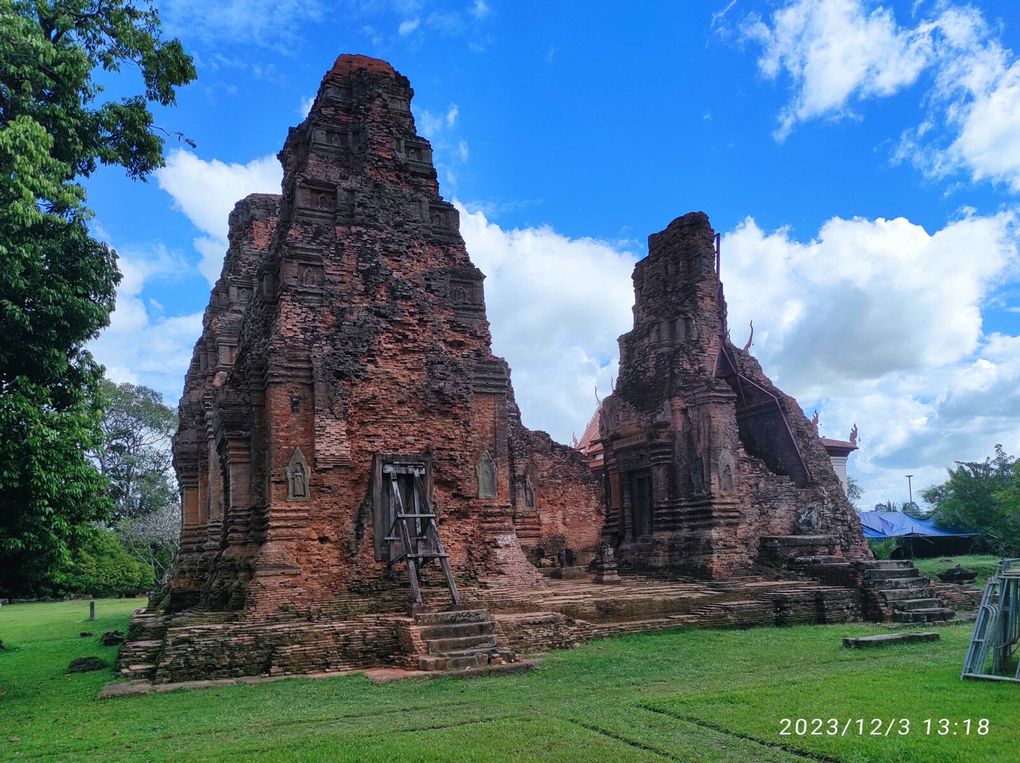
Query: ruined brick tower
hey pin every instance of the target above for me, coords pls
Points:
(343, 416)
(712, 469)
(346, 353)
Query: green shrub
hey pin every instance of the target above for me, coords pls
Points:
(101, 566)
(883, 549)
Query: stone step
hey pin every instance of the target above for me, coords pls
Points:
(448, 617)
(820, 559)
(485, 650)
(934, 614)
(888, 564)
(433, 662)
(140, 671)
(894, 583)
(894, 595)
(447, 645)
(457, 630)
(910, 604)
(898, 573)
(885, 639)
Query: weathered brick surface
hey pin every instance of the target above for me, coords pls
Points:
(348, 323)
(965, 597)
(705, 456)
(558, 501)
(348, 330)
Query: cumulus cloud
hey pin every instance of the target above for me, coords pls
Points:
(556, 306)
(879, 323)
(206, 191)
(837, 53)
(142, 345)
(977, 94)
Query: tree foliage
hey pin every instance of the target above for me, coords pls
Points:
(134, 451)
(101, 566)
(135, 457)
(984, 496)
(57, 283)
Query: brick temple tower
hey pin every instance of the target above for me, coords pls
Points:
(345, 375)
(712, 468)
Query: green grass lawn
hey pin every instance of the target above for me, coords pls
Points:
(983, 564)
(692, 695)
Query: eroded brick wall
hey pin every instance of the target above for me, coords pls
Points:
(704, 455)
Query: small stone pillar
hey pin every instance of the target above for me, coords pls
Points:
(605, 566)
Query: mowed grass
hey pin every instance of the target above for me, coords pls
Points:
(983, 564)
(690, 695)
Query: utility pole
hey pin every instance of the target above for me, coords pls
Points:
(910, 489)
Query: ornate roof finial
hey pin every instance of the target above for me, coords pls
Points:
(750, 339)
(853, 435)
(814, 419)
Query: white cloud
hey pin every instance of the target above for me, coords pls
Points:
(978, 92)
(305, 106)
(556, 306)
(463, 152)
(407, 26)
(480, 9)
(879, 323)
(206, 191)
(432, 126)
(274, 24)
(142, 345)
(836, 52)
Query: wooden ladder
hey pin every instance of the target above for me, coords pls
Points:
(414, 529)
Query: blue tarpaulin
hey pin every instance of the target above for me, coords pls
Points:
(895, 524)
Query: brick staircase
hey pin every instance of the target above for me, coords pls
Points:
(900, 593)
(139, 654)
(453, 640)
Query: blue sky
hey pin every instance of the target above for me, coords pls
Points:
(861, 159)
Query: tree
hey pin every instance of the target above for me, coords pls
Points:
(153, 538)
(134, 452)
(57, 282)
(135, 457)
(854, 492)
(984, 496)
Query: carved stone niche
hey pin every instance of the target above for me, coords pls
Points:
(529, 490)
(339, 93)
(303, 271)
(397, 102)
(331, 141)
(466, 293)
(297, 477)
(240, 293)
(486, 471)
(418, 152)
(316, 201)
(226, 353)
(444, 220)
